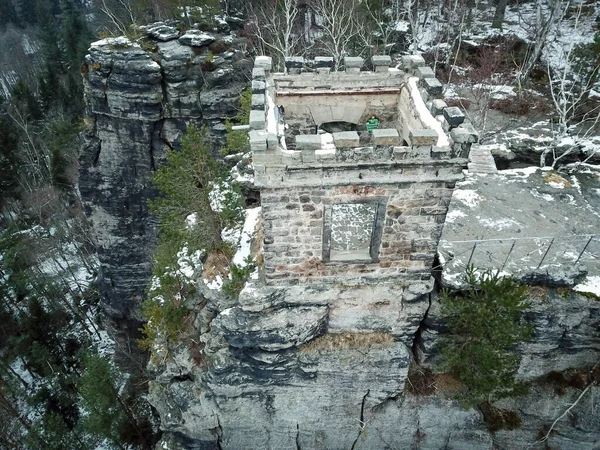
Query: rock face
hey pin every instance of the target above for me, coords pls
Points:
(294, 380)
(139, 102)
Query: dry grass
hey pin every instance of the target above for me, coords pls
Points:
(554, 177)
(498, 419)
(448, 384)
(217, 263)
(256, 247)
(420, 380)
(537, 292)
(333, 342)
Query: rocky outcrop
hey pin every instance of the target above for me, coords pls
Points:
(139, 102)
(305, 376)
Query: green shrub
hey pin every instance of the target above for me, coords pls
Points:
(485, 325)
(190, 182)
(237, 141)
(239, 275)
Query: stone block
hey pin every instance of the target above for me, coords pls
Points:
(386, 136)
(400, 152)
(437, 107)
(294, 64)
(440, 152)
(423, 137)
(464, 134)
(405, 62)
(454, 116)
(353, 64)
(258, 141)
(346, 139)
(258, 87)
(258, 73)
(432, 86)
(291, 157)
(308, 156)
(324, 62)
(272, 141)
(381, 62)
(258, 102)
(264, 62)
(424, 72)
(196, 38)
(308, 142)
(415, 61)
(257, 120)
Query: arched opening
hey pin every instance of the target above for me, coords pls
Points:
(336, 127)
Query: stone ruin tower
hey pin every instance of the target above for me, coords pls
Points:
(315, 353)
(356, 207)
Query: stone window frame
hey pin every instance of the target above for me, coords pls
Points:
(376, 235)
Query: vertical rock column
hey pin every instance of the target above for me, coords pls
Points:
(124, 98)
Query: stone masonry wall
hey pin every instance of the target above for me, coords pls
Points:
(293, 224)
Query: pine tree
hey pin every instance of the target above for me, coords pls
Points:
(485, 324)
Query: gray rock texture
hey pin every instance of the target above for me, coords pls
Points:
(537, 225)
(138, 105)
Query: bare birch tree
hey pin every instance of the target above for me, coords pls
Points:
(276, 27)
(569, 88)
(546, 21)
(340, 26)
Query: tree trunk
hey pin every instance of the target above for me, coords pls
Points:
(499, 14)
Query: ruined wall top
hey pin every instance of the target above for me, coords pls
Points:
(392, 115)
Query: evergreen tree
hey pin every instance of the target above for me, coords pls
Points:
(485, 324)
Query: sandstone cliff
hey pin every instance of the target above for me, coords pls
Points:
(139, 101)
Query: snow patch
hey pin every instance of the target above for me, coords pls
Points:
(425, 116)
(468, 197)
(591, 285)
(454, 214)
(247, 234)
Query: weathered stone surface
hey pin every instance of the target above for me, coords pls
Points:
(454, 115)
(258, 73)
(264, 62)
(220, 103)
(308, 142)
(258, 87)
(294, 62)
(538, 211)
(257, 120)
(322, 62)
(161, 32)
(437, 106)
(423, 137)
(140, 105)
(283, 328)
(258, 140)
(424, 72)
(346, 139)
(386, 136)
(258, 102)
(464, 134)
(196, 38)
(432, 86)
(353, 64)
(381, 62)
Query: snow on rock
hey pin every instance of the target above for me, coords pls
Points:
(516, 221)
(188, 264)
(467, 196)
(191, 221)
(247, 234)
(590, 285)
(425, 115)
